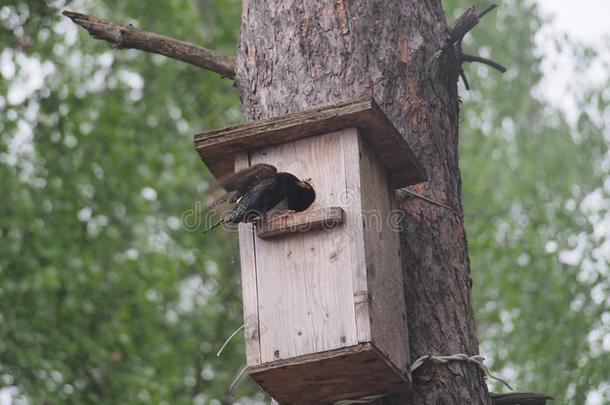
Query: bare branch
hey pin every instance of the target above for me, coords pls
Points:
(127, 36)
(520, 398)
(487, 10)
(466, 22)
(424, 198)
(463, 25)
(464, 79)
(473, 58)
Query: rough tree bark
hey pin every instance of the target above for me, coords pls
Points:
(294, 55)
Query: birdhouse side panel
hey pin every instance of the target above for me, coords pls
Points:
(248, 280)
(382, 224)
(304, 280)
(353, 196)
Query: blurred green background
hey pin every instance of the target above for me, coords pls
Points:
(104, 298)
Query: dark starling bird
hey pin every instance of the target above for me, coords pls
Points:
(257, 190)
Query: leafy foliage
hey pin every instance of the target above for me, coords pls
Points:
(536, 198)
(104, 297)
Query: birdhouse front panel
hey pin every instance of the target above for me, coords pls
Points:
(305, 280)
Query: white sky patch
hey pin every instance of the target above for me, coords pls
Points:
(149, 193)
(173, 223)
(596, 397)
(131, 78)
(29, 78)
(194, 292)
(586, 22)
(134, 81)
(67, 28)
(85, 214)
(11, 396)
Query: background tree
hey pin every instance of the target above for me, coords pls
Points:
(536, 204)
(103, 297)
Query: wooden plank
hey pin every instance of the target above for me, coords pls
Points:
(324, 378)
(216, 147)
(247, 246)
(309, 220)
(353, 195)
(388, 323)
(304, 279)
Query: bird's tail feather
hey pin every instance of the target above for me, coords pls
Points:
(217, 224)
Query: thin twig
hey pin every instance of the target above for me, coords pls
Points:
(237, 381)
(519, 398)
(473, 58)
(464, 79)
(127, 36)
(228, 340)
(421, 197)
(487, 10)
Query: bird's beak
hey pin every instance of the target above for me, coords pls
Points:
(304, 184)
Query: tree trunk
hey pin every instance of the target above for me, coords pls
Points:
(294, 55)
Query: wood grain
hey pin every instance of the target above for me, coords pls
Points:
(307, 221)
(247, 253)
(355, 230)
(217, 147)
(387, 310)
(324, 378)
(305, 297)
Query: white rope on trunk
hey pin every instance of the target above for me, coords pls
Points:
(476, 359)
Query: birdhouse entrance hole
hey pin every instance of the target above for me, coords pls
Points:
(323, 296)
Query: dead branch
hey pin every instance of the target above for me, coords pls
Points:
(487, 10)
(127, 36)
(463, 25)
(523, 398)
(466, 22)
(464, 79)
(473, 58)
(429, 200)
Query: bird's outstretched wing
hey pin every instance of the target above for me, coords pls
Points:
(246, 178)
(239, 183)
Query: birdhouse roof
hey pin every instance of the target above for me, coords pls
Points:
(217, 148)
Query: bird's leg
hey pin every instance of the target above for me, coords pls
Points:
(258, 221)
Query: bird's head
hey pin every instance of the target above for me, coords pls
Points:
(302, 195)
(306, 184)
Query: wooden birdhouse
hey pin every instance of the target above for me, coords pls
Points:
(323, 296)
